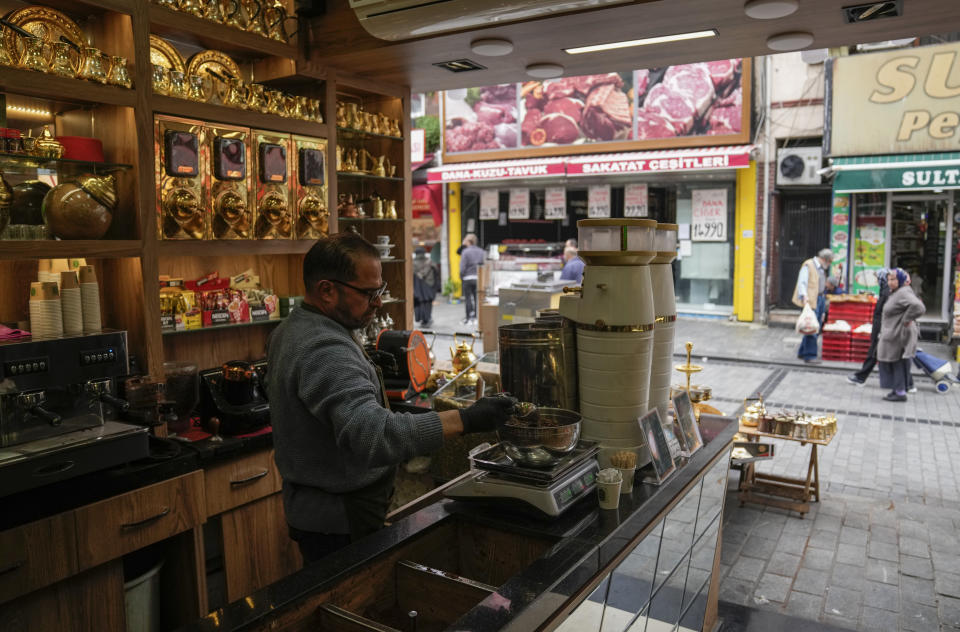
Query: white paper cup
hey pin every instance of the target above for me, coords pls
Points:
(628, 473)
(608, 494)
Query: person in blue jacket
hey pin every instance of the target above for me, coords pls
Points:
(572, 266)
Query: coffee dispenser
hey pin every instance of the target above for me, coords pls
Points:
(272, 185)
(231, 214)
(310, 190)
(181, 168)
(57, 405)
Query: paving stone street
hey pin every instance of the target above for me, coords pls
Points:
(881, 550)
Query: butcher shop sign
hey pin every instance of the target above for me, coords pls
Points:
(903, 101)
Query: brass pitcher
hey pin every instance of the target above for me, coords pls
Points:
(119, 74)
(462, 355)
(91, 65)
(254, 11)
(33, 58)
(391, 210)
(234, 15)
(341, 114)
(353, 117)
(275, 18)
(383, 167)
(213, 10)
(377, 203)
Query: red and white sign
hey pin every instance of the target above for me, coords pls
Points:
(598, 201)
(519, 204)
(418, 145)
(704, 159)
(555, 203)
(709, 218)
(489, 204)
(635, 199)
(502, 170)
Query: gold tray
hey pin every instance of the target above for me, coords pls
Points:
(164, 54)
(214, 61)
(47, 24)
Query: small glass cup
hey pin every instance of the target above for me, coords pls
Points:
(195, 91)
(62, 63)
(33, 58)
(119, 74)
(178, 84)
(92, 67)
(161, 79)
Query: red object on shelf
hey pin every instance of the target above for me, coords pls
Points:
(81, 148)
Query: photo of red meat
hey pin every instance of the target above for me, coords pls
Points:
(478, 119)
(575, 110)
(701, 99)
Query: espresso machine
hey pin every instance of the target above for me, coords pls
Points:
(57, 410)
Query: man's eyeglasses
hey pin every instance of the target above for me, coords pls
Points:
(372, 294)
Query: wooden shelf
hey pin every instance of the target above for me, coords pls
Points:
(350, 132)
(233, 116)
(53, 249)
(48, 86)
(367, 176)
(208, 34)
(253, 323)
(218, 248)
(368, 219)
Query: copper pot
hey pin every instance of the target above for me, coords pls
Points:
(82, 209)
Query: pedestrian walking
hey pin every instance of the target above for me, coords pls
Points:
(426, 284)
(471, 257)
(860, 377)
(899, 332)
(811, 285)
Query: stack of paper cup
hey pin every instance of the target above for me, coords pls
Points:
(71, 304)
(90, 300)
(46, 318)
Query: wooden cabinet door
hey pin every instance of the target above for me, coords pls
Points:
(37, 554)
(116, 526)
(257, 549)
(240, 481)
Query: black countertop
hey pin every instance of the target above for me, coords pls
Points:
(587, 540)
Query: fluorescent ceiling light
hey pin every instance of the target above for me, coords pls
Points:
(646, 41)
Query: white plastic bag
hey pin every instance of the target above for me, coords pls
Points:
(808, 324)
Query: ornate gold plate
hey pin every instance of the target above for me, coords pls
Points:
(164, 54)
(47, 24)
(214, 60)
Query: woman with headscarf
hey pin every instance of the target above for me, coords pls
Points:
(897, 343)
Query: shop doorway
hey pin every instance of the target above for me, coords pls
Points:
(920, 229)
(804, 230)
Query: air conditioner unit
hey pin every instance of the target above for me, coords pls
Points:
(799, 165)
(408, 19)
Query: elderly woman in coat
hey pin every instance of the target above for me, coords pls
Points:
(898, 335)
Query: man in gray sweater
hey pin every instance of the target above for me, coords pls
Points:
(337, 443)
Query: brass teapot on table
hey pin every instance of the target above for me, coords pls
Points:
(463, 357)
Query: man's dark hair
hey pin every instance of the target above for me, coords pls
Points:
(334, 258)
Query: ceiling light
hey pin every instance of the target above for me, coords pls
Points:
(492, 47)
(770, 9)
(794, 40)
(646, 41)
(544, 71)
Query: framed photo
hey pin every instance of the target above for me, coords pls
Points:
(689, 430)
(660, 458)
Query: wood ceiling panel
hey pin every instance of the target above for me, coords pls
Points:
(340, 41)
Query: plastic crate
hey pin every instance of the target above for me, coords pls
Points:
(836, 355)
(851, 312)
(836, 339)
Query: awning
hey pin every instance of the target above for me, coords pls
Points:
(901, 172)
(497, 170)
(699, 159)
(427, 199)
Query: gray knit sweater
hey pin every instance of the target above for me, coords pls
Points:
(331, 432)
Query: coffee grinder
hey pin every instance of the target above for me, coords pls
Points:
(310, 190)
(272, 184)
(181, 162)
(57, 407)
(231, 215)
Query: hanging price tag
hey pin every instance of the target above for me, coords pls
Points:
(635, 200)
(709, 215)
(555, 203)
(598, 201)
(519, 204)
(489, 203)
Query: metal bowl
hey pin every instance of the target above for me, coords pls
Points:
(558, 431)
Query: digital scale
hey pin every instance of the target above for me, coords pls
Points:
(548, 490)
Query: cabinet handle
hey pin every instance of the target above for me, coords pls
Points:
(145, 521)
(249, 479)
(12, 567)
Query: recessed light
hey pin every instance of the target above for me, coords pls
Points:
(544, 71)
(646, 41)
(770, 9)
(794, 40)
(492, 47)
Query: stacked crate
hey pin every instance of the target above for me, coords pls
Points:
(845, 346)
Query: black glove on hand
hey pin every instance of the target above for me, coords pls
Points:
(487, 413)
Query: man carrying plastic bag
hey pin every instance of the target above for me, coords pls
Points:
(809, 294)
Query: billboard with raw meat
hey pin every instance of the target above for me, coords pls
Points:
(617, 111)
(702, 99)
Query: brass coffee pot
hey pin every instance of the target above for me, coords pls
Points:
(276, 17)
(46, 145)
